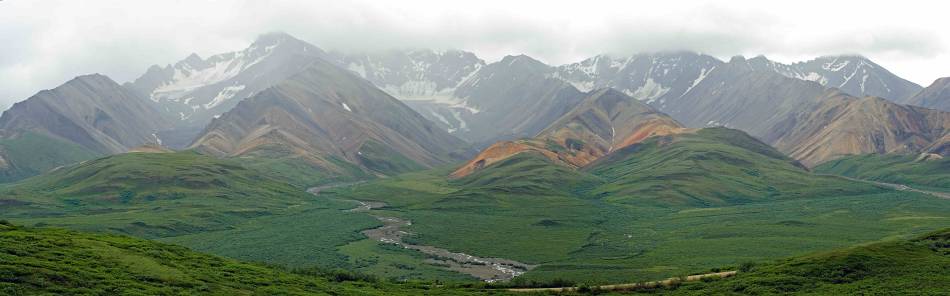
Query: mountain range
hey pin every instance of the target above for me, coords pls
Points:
(803, 108)
(195, 90)
(325, 114)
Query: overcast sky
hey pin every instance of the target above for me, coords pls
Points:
(44, 43)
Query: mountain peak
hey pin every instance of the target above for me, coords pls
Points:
(521, 58)
(193, 58)
(737, 59)
(94, 77)
(274, 38)
(522, 61)
(941, 81)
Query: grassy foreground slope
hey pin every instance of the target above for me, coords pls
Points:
(61, 262)
(917, 266)
(669, 206)
(224, 206)
(911, 170)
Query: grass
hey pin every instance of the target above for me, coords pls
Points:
(893, 168)
(56, 262)
(216, 205)
(915, 266)
(36, 261)
(31, 154)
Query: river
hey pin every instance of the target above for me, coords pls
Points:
(393, 231)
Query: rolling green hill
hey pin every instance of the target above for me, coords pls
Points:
(668, 206)
(50, 261)
(711, 167)
(911, 170)
(234, 207)
(30, 154)
(915, 266)
(171, 193)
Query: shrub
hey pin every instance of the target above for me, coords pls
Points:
(746, 266)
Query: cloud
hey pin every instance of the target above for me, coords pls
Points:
(47, 42)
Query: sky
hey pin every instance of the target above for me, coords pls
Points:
(45, 43)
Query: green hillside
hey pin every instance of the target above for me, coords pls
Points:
(907, 267)
(35, 261)
(712, 167)
(30, 154)
(228, 207)
(666, 207)
(911, 170)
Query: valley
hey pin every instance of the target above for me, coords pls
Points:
(391, 232)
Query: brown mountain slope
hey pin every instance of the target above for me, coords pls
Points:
(604, 121)
(844, 125)
(92, 111)
(326, 114)
(935, 96)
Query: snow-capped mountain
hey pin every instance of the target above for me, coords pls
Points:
(196, 90)
(461, 94)
(413, 74)
(855, 75)
(647, 77)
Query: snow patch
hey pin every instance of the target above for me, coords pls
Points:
(702, 75)
(835, 66)
(225, 94)
(157, 139)
(463, 126)
(649, 92)
(221, 67)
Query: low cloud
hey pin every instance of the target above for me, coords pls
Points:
(49, 42)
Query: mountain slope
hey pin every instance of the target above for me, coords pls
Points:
(515, 97)
(842, 125)
(55, 261)
(935, 96)
(855, 75)
(92, 111)
(802, 118)
(413, 75)
(195, 90)
(652, 78)
(603, 121)
(739, 96)
(88, 116)
(327, 115)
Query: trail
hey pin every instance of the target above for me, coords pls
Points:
(632, 286)
(486, 269)
(899, 187)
